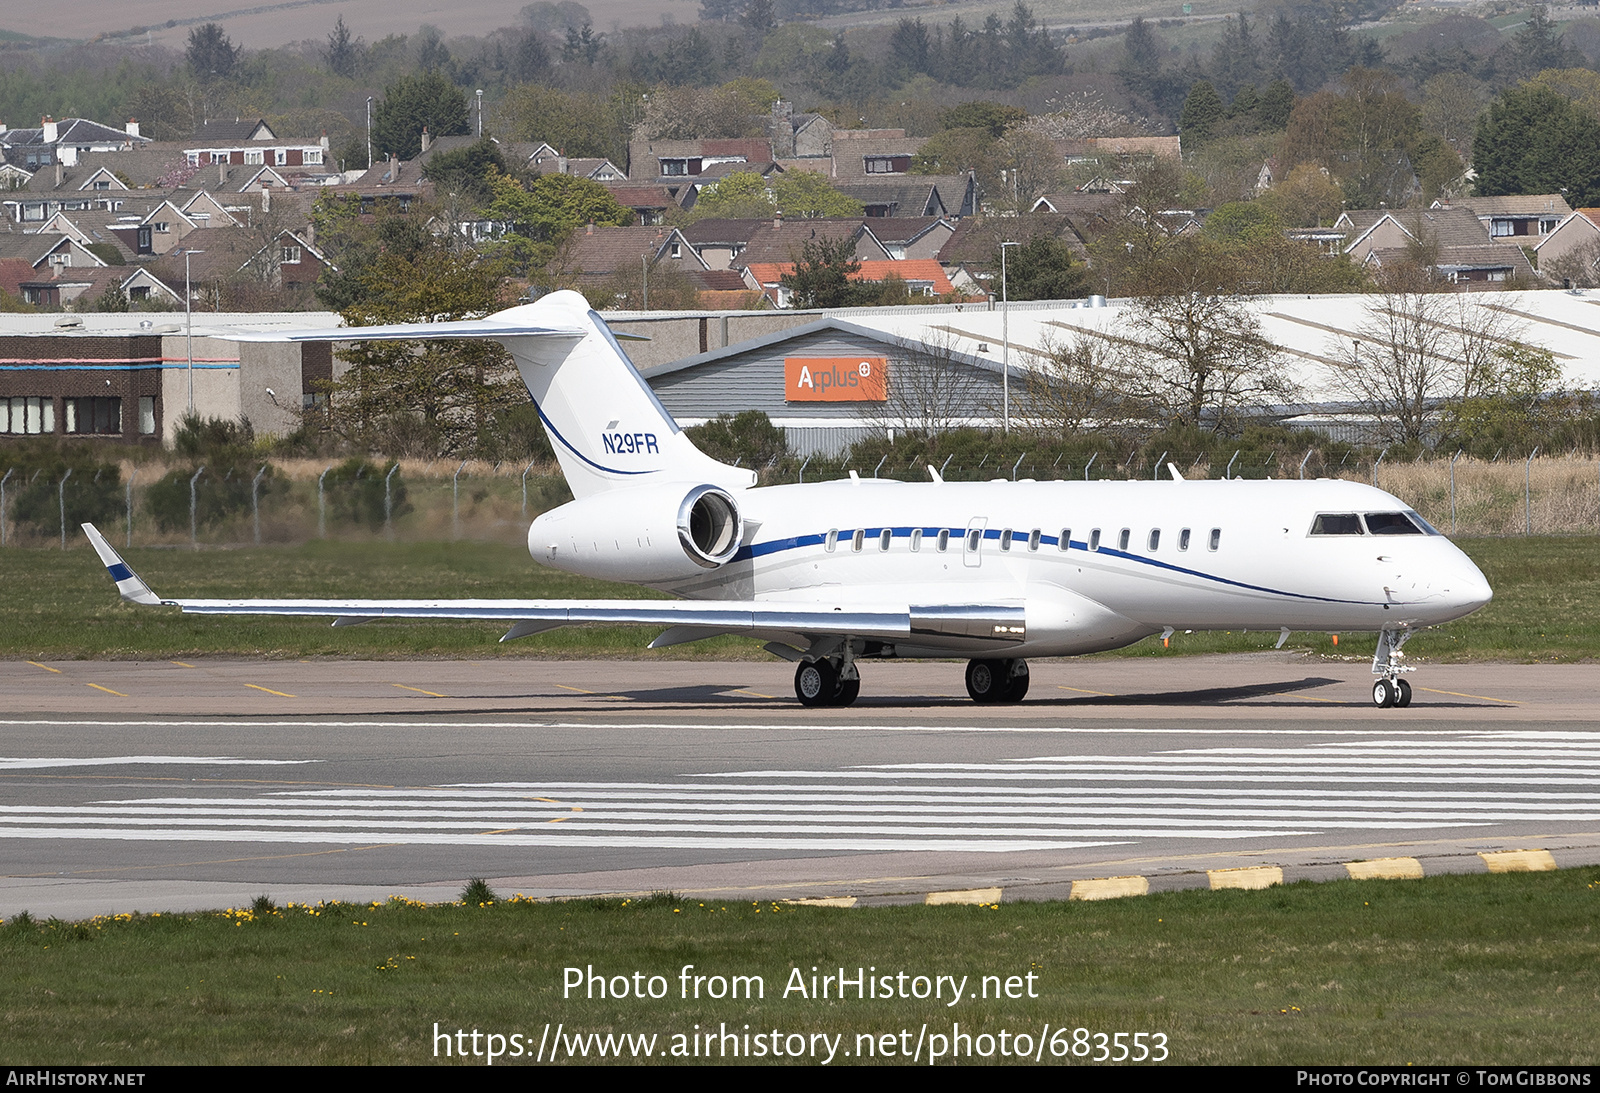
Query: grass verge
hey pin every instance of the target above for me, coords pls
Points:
(60, 605)
(1448, 969)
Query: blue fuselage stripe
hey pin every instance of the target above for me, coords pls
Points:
(844, 535)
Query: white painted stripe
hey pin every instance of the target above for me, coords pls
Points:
(159, 760)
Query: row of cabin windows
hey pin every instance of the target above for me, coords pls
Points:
(1010, 538)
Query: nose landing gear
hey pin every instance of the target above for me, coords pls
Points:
(821, 683)
(991, 681)
(1389, 690)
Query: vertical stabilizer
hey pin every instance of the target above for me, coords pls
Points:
(607, 427)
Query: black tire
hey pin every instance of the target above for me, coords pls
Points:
(986, 680)
(848, 690)
(1404, 695)
(1384, 694)
(815, 683)
(1017, 689)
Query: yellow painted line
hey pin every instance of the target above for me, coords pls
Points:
(1518, 861)
(823, 901)
(46, 667)
(1385, 869)
(180, 664)
(270, 691)
(1081, 691)
(558, 819)
(969, 895)
(107, 690)
(1459, 694)
(1318, 698)
(1250, 878)
(419, 690)
(580, 690)
(754, 694)
(1110, 888)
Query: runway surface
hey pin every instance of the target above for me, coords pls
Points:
(178, 785)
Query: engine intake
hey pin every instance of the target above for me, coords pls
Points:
(709, 526)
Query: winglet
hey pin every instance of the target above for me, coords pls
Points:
(129, 583)
(1173, 468)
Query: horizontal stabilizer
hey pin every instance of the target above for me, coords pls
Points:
(404, 332)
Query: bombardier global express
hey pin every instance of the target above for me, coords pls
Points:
(833, 573)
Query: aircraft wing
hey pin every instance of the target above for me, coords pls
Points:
(686, 619)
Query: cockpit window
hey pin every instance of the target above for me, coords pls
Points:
(1336, 523)
(1391, 523)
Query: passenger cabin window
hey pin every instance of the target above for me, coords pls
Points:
(1336, 523)
(1033, 539)
(1122, 539)
(858, 540)
(1183, 539)
(1155, 539)
(1005, 539)
(1094, 539)
(1065, 541)
(1391, 523)
(831, 541)
(883, 538)
(944, 540)
(1216, 539)
(916, 540)
(974, 540)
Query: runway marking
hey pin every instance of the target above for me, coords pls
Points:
(270, 691)
(419, 690)
(753, 694)
(46, 667)
(107, 690)
(157, 760)
(1459, 694)
(1318, 698)
(1082, 691)
(181, 664)
(596, 694)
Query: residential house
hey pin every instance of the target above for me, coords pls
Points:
(65, 141)
(1524, 219)
(596, 254)
(922, 277)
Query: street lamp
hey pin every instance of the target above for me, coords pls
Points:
(188, 318)
(1005, 335)
(480, 113)
(369, 132)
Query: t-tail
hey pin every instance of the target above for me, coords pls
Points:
(607, 427)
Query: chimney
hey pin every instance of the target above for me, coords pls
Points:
(266, 199)
(426, 140)
(4, 127)
(51, 132)
(325, 140)
(591, 228)
(222, 174)
(561, 165)
(777, 220)
(133, 127)
(61, 174)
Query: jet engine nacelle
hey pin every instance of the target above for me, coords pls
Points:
(645, 534)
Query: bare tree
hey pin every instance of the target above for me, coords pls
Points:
(930, 391)
(1201, 360)
(1074, 385)
(1577, 268)
(1416, 350)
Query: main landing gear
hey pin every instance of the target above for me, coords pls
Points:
(997, 680)
(822, 683)
(1389, 690)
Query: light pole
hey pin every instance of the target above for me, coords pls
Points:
(480, 113)
(1005, 336)
(369, 132)
(188, 322)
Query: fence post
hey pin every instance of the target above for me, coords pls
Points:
(946, 463)
(194, 525)
(388, 502)
(455, 501)
(1303, 462)
(1453, 489)
(525, 471)
(322, 507)
(1017, 464)
(128, 541)
(255, 500)
(879, 467)
(1375, 463)
(1228, 474)
(1092, 457)
(9, 472)
(1527, 491)
(803, 467)
(61, 492)
(1155, 475)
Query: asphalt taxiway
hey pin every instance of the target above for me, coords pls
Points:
(172, 785)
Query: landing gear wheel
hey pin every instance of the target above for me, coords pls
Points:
(985, 681)
(848, 690)
(1384, 694)
(1403, 698)
(1019, 684)
(816, 683)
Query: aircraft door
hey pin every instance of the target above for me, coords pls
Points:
(972, 544)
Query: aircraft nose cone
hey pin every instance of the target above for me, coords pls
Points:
(1469, 589)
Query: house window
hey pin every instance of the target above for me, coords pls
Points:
(312, 155)
(94, 415)
(162, 227)
(291, 255)
(676, 250)
(674, 167)
(218, 157)
(253, 156)
(147, 414)
(280, 156)
(101, 184)
(1548, 226)
(29, 415)
(194, 159)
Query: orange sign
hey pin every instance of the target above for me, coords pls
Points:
(835, 379)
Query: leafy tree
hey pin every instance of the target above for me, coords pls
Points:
(544, 211)
(808, 194)
(114, 298)
(1242, 222)
(822, 275)
(1306, 198)
(344, 50)
(981, 114)
(742, 195)
(1534, 141)
(226, 449)
(211, 54)
(1516, 402)
(1277, 103)
(582, 45)
(749, 439)
(467, 171)
(1203, 113)
(413, 104)
(1044, 269)
(92, 494)
(1538, 45)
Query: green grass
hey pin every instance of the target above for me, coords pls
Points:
(60, 605)
(1450, 969)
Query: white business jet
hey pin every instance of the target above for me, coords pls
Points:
(832, 573)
